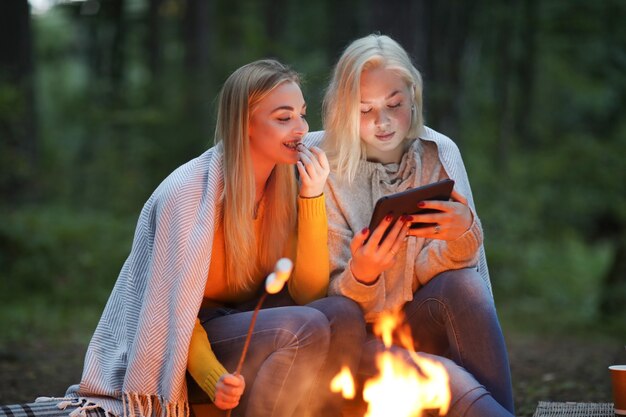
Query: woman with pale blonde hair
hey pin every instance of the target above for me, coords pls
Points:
(205, 242)
(431, 265)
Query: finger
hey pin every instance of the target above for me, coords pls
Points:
(242, 380)
(357, 241)
(223, 396)
(310, 164)
(233, 392)
(306, 152)
(419, 219)
(225, 404)
(434, 205)
(227, 397)
(456, 196)
(378, 233)
(393, 234)
(397, 243)
(321, 157)
(233, 380)
(304, 175)
(427, 232)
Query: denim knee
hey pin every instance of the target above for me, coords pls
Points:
(342, 313)
(464, 284)
(304, 327)
(465, 390)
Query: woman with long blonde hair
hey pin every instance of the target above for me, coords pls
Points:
(205, 242)
(431, 265)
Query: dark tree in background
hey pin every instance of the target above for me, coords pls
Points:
(436, 35)
(198, 27)
(18, 121)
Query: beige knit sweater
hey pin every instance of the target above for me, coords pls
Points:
(430, 158)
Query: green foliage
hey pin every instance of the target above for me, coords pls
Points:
(58, 266)
(541, 130)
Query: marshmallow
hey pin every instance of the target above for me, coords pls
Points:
(276, 280)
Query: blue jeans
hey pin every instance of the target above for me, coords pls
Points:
(293, 352)
(453, 321)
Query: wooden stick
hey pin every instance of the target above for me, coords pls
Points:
(247, 342)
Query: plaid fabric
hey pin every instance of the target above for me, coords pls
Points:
(49, 408)
(572, 409)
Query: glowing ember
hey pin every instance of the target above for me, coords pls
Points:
(344, 383)
(400, 389)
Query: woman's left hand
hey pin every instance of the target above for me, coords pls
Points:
(314, 169)
(454, 218)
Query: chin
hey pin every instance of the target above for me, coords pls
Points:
(289, 161)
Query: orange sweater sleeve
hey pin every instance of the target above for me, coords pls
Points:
(202, 364)
(311, 264)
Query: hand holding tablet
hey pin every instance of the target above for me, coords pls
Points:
(406, 203)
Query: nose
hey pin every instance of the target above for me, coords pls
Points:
(382, 118)
(302, 127)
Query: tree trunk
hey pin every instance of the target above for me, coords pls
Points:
(18, 123)
(153, 41)
(435, 36)
(526, 70)
(197, 23)
(344, 26)
(502, 74)
(118, 57)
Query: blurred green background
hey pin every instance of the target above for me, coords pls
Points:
(100, 100)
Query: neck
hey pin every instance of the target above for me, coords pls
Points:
(262, 173)
(386, 157)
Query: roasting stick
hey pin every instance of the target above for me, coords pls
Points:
(274, 283)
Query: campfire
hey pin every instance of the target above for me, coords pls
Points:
(400, 389)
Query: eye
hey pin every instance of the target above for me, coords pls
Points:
(303, 116)
(284, 119)
(366, 110)
(395, 106)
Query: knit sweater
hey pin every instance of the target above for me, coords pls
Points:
(428, 159)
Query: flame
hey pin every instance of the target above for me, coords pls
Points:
(344, 383)
(400, 389)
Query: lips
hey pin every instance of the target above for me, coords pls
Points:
(385, 136)
(293, 145)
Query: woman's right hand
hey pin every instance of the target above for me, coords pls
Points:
(372, 258)
(314, 169)
(228, 391)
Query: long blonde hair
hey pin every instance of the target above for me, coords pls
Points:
(341, 106)
(247, 257)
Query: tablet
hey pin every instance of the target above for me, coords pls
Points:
(405, 202)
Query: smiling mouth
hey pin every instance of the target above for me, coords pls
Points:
(293, 145)
(385, 136)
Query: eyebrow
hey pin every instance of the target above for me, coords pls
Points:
(288, 108)
(386, 98)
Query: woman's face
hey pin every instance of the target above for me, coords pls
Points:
(385, 114)
(277, 124)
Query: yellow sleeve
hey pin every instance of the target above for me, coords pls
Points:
(202, 364)
(311, 264)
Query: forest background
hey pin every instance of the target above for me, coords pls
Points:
(101, 99)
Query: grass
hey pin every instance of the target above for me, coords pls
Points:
(58, 268)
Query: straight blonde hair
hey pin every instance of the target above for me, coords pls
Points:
(341, 106)
(246, 256)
